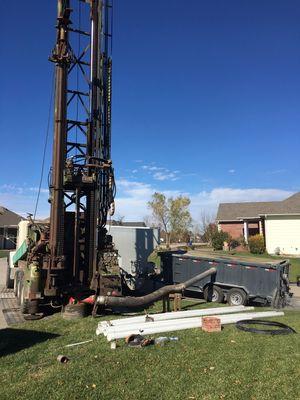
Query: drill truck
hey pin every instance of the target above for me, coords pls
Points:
(71, 260)
(62, 259)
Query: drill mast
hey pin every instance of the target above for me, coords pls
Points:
(82, 181)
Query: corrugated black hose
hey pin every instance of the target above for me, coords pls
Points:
(244, 325)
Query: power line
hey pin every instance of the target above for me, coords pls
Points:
(45, 147)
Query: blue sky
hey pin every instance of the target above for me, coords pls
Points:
(205, 101)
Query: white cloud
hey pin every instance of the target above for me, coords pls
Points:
(22, 199)
(161, 173)
(134, 196)
(231, 171)
(164, 176)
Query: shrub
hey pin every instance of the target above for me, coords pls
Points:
(218, 239)
(256, 244)
(234, 243)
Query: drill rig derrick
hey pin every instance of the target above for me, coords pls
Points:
(82, 181)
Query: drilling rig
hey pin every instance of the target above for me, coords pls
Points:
(64, 259)
(71, 261)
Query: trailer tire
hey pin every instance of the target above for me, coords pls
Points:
(213, 293)
(237, 297)
(74, 311)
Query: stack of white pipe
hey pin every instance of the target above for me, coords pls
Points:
(168, 322)
(103, 325)
(147, 328)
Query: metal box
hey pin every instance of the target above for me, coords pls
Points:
(134, 245)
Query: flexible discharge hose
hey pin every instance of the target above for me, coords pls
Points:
(111, 301)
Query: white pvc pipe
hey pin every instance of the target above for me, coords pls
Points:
(145, 325)
(175, 322)
(175, 315)
(157, 327)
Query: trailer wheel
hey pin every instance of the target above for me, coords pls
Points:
(214, 294)
(236, 297)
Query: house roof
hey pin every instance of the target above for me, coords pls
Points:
(236, 211)
(9, 218)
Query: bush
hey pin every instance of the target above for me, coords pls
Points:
(256, 244)
(234, 243)
(218, 239)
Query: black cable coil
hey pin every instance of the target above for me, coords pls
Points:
(243, 325)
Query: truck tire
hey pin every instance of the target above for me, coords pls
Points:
(236, 297)
(74, 311)
(214, 294)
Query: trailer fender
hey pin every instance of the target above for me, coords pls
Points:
(226, 287)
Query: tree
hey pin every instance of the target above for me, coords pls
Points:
(171, 215)
(180, 217)
(208, 226)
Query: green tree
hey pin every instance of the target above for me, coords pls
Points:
(180, 217)
(171, 215)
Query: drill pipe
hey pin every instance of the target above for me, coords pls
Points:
(111, 301)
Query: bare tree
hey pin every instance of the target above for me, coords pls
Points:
(148, 220)
(207, 225)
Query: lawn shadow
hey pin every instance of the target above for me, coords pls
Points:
(14, 340)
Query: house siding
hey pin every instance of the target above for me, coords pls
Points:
(283, 233)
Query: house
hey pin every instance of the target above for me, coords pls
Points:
(8, 228)
(277, 221)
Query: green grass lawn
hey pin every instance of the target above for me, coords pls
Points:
(227, 365)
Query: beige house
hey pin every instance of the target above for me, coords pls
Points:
(277, 221)
(8, 228)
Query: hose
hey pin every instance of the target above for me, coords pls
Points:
(111, 301)
(285, 329)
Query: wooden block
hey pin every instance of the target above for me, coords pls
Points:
(211, 324)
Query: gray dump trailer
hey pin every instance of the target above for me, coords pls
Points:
(237, 281)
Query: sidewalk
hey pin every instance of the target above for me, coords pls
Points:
(9, 309)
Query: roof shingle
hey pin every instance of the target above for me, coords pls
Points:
(235, 211)
(9, 218)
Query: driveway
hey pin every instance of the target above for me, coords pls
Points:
(9, 309)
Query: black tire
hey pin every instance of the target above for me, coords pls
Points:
(214, 294)
(33, 317)
(74, 311)
(237, 297)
